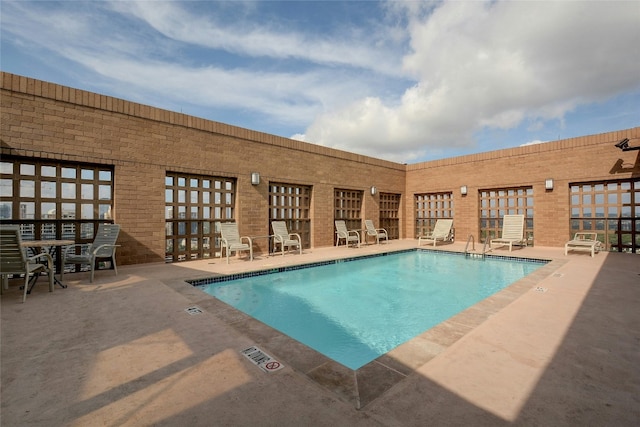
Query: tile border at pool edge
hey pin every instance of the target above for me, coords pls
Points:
(363, 386)
(272, 270)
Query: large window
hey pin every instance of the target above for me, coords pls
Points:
(496, 203)
(292, 204)
(55, 200)
(194, 208)
(610, 208)
(389, 218)
(431, 207)
(348, 207)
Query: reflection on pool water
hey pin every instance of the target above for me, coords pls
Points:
(356, 311)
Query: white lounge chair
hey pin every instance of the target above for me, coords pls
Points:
(103, 247)
(512, 232)
(349, 236)
(441, 232)
(282, 237)
(13, 260)
(232, 242)
(583, 241)
(371, 230)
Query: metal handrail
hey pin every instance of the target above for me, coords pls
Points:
(472, 240)
(484, 247)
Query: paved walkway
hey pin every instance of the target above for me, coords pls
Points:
(563, 351)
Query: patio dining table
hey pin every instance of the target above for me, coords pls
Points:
(51, 247)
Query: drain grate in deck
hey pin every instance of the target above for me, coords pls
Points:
(193, 310)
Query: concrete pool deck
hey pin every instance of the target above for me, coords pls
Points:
(560, 348)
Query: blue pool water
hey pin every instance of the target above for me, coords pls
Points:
(353, 312)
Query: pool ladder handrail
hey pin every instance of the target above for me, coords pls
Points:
(472, 240)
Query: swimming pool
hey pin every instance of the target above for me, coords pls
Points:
(356, 310)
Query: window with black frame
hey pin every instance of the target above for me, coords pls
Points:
(195, 206)
(348, 207)
(389, 214)
(429, 208)
(609, 208)
(498, 202)
(53, 200)
(292, 204)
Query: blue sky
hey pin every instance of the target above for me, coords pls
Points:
(403, 81)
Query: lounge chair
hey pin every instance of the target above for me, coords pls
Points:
(232, 242)
(512, 232)
(587, 242)
(13, 260)
(441, 232)
(282, 237)
(371, 230)
(349, 236)
(103, 247)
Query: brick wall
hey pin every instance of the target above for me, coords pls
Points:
(45, 120)
(586, 158)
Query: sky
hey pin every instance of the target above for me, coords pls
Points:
(406, 81)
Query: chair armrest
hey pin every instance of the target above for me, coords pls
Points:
(248, 238)
(48, 257)
(296, 235)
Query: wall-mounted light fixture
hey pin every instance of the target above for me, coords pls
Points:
(548, 184)
(463, 190)
(624, 145)
(374, 190)
(255, 178)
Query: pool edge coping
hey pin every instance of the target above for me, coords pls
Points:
(366, 384)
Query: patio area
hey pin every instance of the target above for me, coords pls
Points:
(559, 348)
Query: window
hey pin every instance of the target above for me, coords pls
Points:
(195, 206)
(431, 207)
(496, 203)
(348, 207)
(292, 204)
(389, 218)
(55, 200)
(610, 208)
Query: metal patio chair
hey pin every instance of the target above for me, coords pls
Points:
(103, 247)
(14, 261)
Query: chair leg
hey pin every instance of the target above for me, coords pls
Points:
(93, 268)
(113, 263)
(26, 287)
(51, 273)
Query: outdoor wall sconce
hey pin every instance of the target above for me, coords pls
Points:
(548, 184)
(374, 190)
(463, 190)
(624, 145)
(255, 178)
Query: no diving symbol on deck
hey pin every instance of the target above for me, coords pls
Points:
(271, 366)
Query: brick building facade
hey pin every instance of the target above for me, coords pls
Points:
(167, 177)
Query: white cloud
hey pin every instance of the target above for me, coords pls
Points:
(260, 39)
(493, 65)
(536, 142)
(427, 77)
